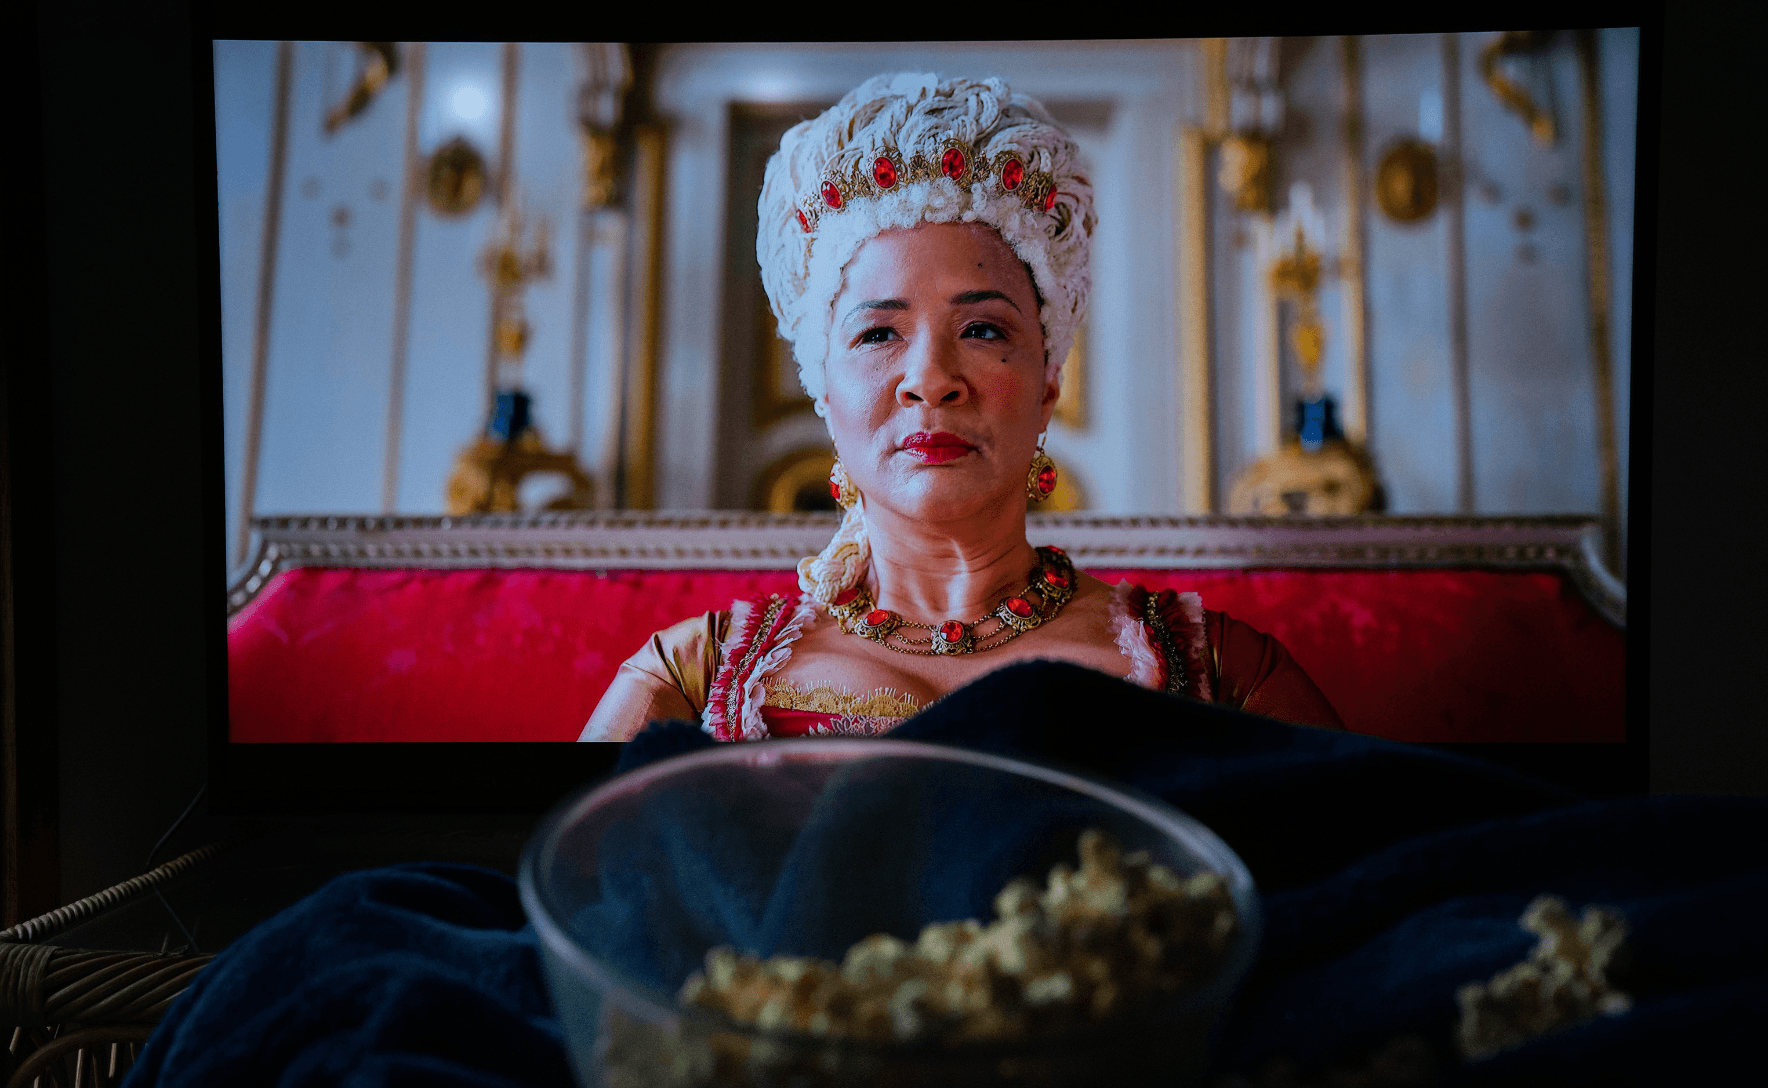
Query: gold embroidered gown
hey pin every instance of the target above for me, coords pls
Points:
(724, 664)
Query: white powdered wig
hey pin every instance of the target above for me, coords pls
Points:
(1018, 173)
(903, 116)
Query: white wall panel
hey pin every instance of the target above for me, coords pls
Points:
(450, 300)
(331, 333)
(244, 109)
(1412, 396)
(1529, 350)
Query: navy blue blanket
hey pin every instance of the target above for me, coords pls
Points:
(1390, 876)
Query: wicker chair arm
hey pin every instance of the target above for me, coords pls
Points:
(42, 985)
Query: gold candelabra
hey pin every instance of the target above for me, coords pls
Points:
(488, 472)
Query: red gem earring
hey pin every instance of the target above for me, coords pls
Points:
(1040, 479)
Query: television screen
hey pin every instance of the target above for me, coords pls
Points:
(504, 394)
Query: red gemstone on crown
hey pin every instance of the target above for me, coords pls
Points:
(1020, 607)
(1053, 548)
(952, 163)
(831, 194)
(951, 631)
(802, 221)
(1049, 200)
(1046, 480)
(1012, 174)
(884, 172)
(835, 490)
(877, 617)
(1060, 581)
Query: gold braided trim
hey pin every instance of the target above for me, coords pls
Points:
(1178, 667)
(739, 679)
(826, 699)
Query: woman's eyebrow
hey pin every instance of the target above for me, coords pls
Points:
(877, 304)
(969, 297)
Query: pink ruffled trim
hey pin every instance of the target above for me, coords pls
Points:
(714, 719)
(1133, 639)
(1194, 640)
(1138, 643)
(776, 647)
(803, 615)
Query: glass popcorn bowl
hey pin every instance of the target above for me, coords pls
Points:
(805, 848)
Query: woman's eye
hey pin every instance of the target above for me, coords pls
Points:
(982, 330)
(878, 335)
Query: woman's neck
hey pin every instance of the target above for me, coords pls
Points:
(932, 573)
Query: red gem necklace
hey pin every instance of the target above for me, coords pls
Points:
(1050, 587)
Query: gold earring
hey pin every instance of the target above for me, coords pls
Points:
(1040, 479)
(842, 487)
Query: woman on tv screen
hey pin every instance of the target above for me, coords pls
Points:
(924, 245)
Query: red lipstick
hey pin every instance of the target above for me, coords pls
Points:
(936, 449)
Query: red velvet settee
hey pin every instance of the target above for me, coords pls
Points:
(509, 628)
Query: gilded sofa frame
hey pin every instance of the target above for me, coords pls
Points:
(1570, 545)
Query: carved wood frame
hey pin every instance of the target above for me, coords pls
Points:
(1570, 545)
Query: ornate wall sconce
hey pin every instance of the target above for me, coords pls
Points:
(1406, 188)
(1246, 171)
(599, 161)
(1315, 470)
(456, 178)
(509, 270)
(380, 62)
(1296, 277)
(1254, 107)
(488, 473)
(1518, 43)
(599, 101)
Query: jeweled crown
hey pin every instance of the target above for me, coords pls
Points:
(1006, 173)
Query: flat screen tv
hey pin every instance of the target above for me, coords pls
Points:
(445, 268)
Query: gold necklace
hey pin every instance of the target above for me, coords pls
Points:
(1051, 586)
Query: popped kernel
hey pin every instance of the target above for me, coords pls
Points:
(1563, 983)
(1086, 945)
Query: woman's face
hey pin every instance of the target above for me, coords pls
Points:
(935, 376)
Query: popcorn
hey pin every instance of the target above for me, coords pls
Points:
(1083, 947)
(1563, 983)
(1088, 945)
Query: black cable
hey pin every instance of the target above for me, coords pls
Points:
(190, 941)
(176, 824)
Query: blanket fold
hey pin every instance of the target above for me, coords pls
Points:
(1390, 876)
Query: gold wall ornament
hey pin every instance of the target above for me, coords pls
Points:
(1298, 271)
(489, 471)
(1406, 181)
(380, 62)
(1518, 43)
(455, 178)
(797, 482)
(510, 267)
(1246, 171)
(601, 96)
(488, 475)
(1296, 276)
(1336, 480)
(599, 162)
